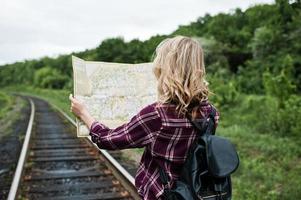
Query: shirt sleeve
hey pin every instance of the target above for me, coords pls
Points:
(138, 132)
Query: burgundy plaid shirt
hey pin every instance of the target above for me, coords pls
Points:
(165, 136)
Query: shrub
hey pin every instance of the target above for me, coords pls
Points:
(47, 77)
(225, 92)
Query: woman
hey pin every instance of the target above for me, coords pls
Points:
(161, 127)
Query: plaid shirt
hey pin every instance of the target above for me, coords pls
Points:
(165, 136)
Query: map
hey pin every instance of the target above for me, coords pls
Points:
(112, 92)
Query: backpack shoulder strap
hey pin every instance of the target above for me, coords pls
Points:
(211, 123)
(205, 128)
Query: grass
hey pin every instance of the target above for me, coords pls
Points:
(59, 98)
(10, 107)
(6, 103)
(270, 166)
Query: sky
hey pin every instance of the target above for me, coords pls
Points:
(31, 29)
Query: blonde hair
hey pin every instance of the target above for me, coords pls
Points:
(180, 71)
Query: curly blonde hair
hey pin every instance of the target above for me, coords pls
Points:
(180, 71)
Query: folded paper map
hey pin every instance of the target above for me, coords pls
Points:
(112, 92)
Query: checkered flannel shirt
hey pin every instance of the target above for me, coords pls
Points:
(165, 136)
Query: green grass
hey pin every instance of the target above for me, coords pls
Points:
(270, 166)
(59, 98)
(6, 103)
(10, 112)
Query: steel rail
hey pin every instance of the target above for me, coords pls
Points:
(18, 173)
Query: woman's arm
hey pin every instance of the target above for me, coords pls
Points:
(138, 132)
(141, 130)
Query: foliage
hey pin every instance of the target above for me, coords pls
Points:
(282, 108)
(225, 93)
(269, 165)
(281, 85)
(249, 78)
(6, 102)
(47, 77)
(262, 44)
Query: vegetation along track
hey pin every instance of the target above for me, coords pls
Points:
(61, 166)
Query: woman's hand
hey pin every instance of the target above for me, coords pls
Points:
(80, 110)
(77, 107)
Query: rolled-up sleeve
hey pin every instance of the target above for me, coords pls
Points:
(138, 132)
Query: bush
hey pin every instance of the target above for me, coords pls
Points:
(263, 115)
(283, 121)
(47, 77)
(249, 77)
(279, 112)
(280, 85)
(225, 92)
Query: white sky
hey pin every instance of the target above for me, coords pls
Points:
(36, 28)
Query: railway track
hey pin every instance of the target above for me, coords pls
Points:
(55, 164)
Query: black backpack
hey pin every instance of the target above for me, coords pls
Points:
(207, 168)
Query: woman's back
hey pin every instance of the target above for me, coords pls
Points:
(168, 148)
